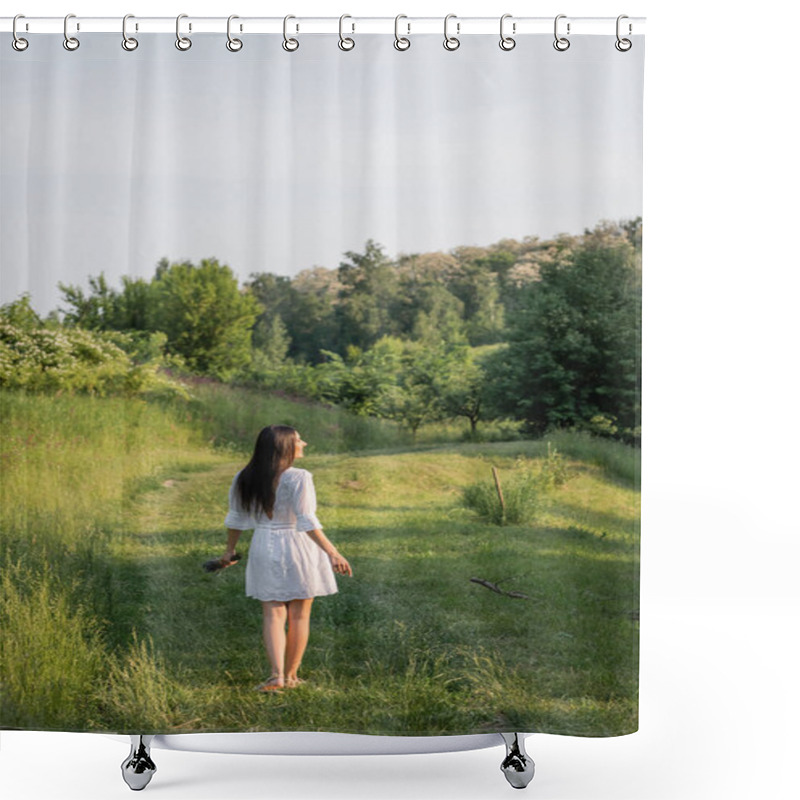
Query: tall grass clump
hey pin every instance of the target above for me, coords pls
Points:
(52, 657)
(522, 492)
(553, 472)
(521, 498)
(139, 695)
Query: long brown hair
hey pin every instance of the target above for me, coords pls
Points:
(273, 455)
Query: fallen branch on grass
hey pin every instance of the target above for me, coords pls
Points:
(495, 588)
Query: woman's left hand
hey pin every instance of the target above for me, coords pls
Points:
(341, 565)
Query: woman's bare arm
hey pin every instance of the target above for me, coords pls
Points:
(233, 537)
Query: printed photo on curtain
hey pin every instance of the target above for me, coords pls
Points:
(320, 384)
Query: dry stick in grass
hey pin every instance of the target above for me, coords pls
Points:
(495, 588)
(499, 491)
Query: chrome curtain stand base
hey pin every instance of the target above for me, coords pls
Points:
(517, 766)
(138, 768)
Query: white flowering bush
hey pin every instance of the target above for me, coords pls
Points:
(40, 359)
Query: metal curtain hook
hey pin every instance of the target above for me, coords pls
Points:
(128, 42)
(561, 43)
(234, 45)
(70, 42)
(507, 42)
(623, 45)
(451, 42)
(346, 43)
(289, 45)
(182, 42)
(401, 43)
(18, 43)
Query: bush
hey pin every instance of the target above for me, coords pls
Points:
(521, 498)
(38, 359)
(522, 492)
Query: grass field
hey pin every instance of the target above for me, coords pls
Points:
(109, 507)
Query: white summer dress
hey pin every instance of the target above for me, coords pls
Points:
(284, 563)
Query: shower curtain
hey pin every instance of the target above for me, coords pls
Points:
(427, 261)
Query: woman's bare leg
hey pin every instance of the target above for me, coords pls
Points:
(275, 637)
(297, 637)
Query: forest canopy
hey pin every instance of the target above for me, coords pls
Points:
(544, 333)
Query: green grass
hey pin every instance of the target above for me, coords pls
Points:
(110, 507)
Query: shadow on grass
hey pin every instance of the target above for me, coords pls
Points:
(604, 521)
(599, 543)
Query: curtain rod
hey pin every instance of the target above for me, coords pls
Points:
(461, 26)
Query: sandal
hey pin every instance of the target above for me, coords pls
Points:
(293, 683)
(270, 685)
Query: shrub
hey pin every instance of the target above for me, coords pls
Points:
(521, 498)
(522, 492)
(39, 359)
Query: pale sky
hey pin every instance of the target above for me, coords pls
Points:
(271, 161)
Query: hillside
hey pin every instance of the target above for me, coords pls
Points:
(110, 506)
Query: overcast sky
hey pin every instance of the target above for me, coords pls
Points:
(271, 161)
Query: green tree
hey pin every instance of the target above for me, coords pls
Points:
(462, 385)
(305, 307)
(427, 310)
(362, 380)
(573, 357)
(132, 308)
(271, 340)
(368, 298)
(633, 230)
(93, 311)
(106, 309)
(416, 397)
(478, 288)
(206, 318)
(20, 315)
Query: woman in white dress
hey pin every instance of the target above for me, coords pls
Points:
(290, 561)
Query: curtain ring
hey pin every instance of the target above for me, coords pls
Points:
(181, 42)
(623, 45)
(289, 45)
(234, 45)
(561, 43)
(401, 43)
(128, 42)
(18, 43)
(507, 42)
(345, 43)
(451, 42)
(70, 42)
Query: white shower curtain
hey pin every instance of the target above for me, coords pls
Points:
(426, 261)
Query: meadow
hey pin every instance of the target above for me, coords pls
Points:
(111, 505)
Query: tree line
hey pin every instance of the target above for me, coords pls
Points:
(546, 332)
